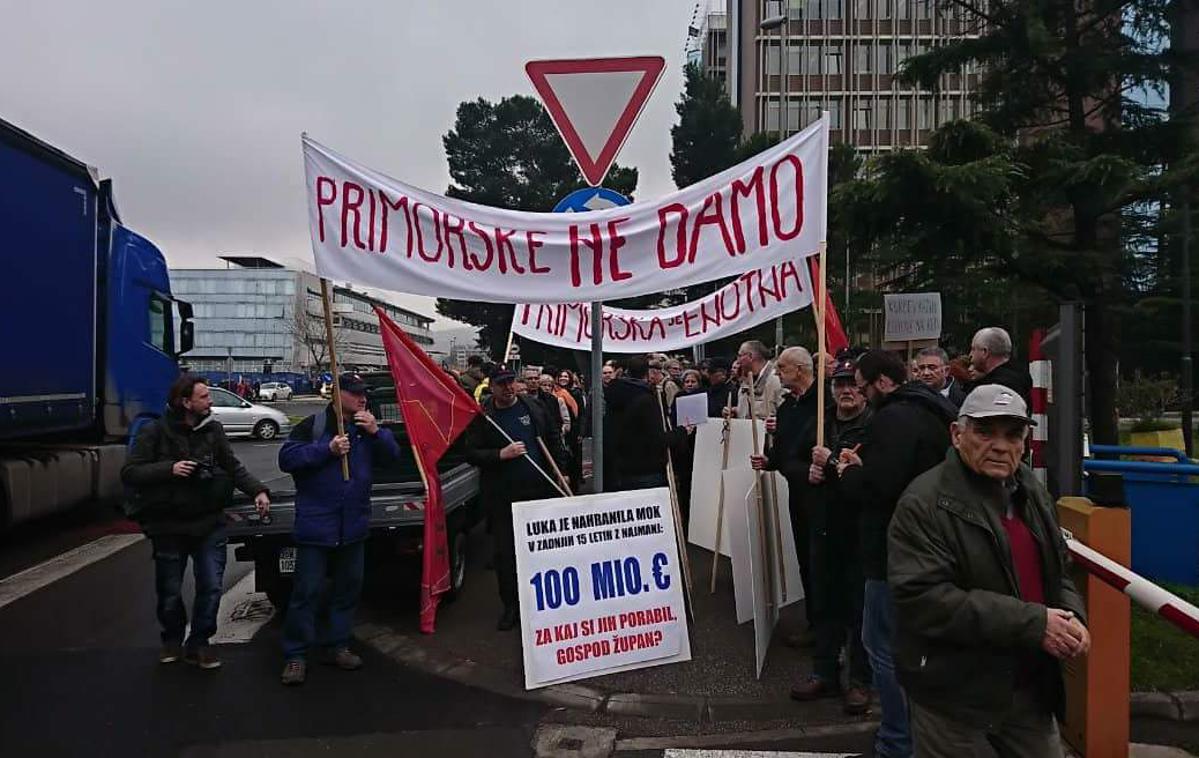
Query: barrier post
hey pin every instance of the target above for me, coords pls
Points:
(1097, 685)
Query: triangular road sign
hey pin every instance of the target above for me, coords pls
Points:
(594, 102)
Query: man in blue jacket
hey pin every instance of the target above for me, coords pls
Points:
(332, 520)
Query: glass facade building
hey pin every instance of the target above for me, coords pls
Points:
(257, 316)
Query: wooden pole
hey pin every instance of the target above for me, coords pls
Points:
(672, 485)
(341, 420)
(532, 462)
(821, 389)
(778, 527)
(766, 569)
(724, 464)
(554, 465)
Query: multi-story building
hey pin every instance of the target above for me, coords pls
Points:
(257, 315)
(789, 60)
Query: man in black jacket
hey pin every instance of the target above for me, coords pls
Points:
(835, 605)
(932, 368)
(639, 437)
(991, 361)
(790, 431)
(908, 434)
(721, 392)
(182, 472)
(508, 475)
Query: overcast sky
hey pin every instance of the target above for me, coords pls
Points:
(195, 109)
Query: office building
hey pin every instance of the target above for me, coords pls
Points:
(258, 316)
(789, 60)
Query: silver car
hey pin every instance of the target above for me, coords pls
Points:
(243, 417)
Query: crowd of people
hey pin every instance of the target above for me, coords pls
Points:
(933, 569)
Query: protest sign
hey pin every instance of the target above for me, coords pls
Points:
(691, 410)
(377, 231)
(912, 317)
(601, 586)
(753, 298)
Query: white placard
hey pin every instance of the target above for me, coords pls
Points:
(691, 410)
(373, 230)
(913, 316)
(706, 477)
(601, 587)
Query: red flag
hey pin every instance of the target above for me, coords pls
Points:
(835, 339)
(436, 410)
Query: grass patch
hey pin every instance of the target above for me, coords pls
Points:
(1164, 658)
(296, 419)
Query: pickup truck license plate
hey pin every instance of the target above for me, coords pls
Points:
(287, 560)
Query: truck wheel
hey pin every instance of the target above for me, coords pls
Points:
(458, 553)
(266, 430)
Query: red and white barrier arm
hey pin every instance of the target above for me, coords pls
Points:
(1145, 593)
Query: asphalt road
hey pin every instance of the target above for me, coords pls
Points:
(78, 645)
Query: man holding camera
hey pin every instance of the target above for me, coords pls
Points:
(182, 472)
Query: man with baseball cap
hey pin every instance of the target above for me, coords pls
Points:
(331, 524)
(506, 463)
(985, 605)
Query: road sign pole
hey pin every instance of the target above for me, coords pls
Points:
(597, 398)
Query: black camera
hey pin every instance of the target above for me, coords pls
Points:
(203, 471)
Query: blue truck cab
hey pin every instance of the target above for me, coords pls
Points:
(92, 334)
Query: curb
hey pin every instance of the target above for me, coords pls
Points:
(582, 697)
(1172, 706)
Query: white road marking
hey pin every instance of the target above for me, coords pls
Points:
(686, 753)
(243, 612)
(33, 579)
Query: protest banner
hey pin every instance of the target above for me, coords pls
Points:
(377, 231)
(912, 317)
(753, 298)
(601, 585)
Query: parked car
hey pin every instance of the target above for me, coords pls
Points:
(274, 391)
(243, 417)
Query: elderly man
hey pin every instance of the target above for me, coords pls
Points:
(721, 392)
(790, 443)
(986, 607)
(932, 368)
(991, 362)
(907, 436)
(835, 605)
(753, 365)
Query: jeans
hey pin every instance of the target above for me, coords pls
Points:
(207, 554)
(345, 565)
(894, 738)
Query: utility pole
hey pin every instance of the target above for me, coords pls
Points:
(1188, 383)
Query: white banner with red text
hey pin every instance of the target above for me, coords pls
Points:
(376, 231)
(601, 588)
(753, 298)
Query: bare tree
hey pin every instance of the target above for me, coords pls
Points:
(308, 329)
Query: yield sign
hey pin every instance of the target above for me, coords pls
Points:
(594, 102)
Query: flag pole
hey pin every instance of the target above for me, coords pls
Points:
(822, 295)
(341, 421)
(554, 465)
(532, 462)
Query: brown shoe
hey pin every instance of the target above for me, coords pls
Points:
(170, 652)
(294, 672)
(857, 701)
(202, 657)
(344, 659)
(814, 687)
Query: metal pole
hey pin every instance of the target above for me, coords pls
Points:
(1188, 382)
(783, 127)
(597, 397)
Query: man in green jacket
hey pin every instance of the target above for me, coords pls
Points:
(986, 609)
